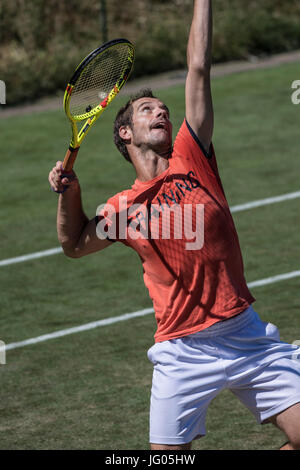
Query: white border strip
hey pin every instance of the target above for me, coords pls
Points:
(129, 316)
(238, 208)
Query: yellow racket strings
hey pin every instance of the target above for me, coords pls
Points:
(98, 79)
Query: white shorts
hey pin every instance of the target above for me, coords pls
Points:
(242, 354)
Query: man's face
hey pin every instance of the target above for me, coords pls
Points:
(151, 127)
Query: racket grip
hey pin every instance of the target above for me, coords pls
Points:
(68, 164)
(70, 158)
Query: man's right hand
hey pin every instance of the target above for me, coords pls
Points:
(60, 180)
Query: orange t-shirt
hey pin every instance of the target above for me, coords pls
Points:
(181, 226)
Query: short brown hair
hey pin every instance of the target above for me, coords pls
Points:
(124, 118)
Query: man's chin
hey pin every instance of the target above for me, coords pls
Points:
(161, 144)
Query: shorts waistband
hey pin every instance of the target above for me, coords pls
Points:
(227, 326)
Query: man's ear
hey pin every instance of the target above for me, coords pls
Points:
(125, 134)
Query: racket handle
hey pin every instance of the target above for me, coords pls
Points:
(70, 159)
(68, 164)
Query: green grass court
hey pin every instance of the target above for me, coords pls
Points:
(91, 390)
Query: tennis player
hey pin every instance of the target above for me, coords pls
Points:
(209, 337)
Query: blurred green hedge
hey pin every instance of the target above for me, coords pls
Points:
(41, 41)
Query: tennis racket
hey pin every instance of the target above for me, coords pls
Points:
(95, 83)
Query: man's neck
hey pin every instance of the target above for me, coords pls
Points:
(150, 165)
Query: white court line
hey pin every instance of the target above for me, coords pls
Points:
(265, 202)
(128, 316)
(38, 254)
(78, 329)
(238, 208)
(273, 279)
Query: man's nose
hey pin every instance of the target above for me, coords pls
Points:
(160, 112)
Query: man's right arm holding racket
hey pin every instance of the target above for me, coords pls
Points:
(76, 233)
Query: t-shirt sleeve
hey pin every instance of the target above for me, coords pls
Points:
(188, 148)
(187, 144)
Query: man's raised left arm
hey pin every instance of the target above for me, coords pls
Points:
(199, 107)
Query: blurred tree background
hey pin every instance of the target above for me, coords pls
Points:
(41, 41)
